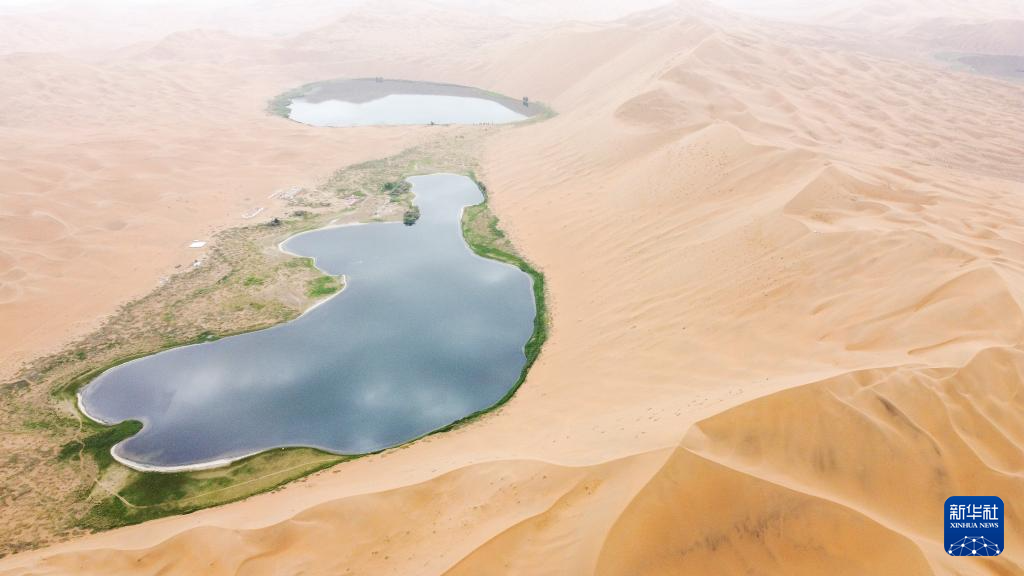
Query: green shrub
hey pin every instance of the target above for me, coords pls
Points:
(411, 216)
(323, 286)
(395, 190)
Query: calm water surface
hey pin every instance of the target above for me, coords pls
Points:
(425, 333)
(401, 109)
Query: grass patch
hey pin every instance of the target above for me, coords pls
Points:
(278, 105)
(53, 424)
(153, 495)
(411, 216)
(302, 262)
(99, 442)
(396, 189)
(323, 286)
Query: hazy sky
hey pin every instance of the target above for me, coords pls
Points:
(97, 25)
(60, 25)
(541, 8)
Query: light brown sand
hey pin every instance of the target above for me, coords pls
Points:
(111, 170)
(785, 286)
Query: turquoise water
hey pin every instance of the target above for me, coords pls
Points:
(424, 334)
(402, 109)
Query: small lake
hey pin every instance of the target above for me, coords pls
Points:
(390, 102)
(402, 109)
(424, 334)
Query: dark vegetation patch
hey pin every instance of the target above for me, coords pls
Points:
(411, 216)
(323, 286)
(278, 105)
(98, 442)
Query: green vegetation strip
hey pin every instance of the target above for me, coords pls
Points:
(278, 105)
(151, 495)
(482, 233)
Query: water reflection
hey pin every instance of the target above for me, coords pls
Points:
(402, 109)
(425, 333)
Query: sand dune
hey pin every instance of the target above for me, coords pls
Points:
(150, 156)
(786, 288)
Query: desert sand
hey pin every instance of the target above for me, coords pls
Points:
(785, 281)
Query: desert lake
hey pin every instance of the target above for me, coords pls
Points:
(424, 334)
(380, 102)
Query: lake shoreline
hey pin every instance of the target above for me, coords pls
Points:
(471, 243)
(222, 462)
(360, 91)
(244, 285)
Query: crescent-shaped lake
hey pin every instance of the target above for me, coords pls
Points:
(424, 334)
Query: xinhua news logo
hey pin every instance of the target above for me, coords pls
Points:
(974, 525)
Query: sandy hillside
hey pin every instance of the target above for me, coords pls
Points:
(786, 287)
(113, 164)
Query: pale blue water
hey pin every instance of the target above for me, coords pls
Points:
(425, 333)
(403, 109)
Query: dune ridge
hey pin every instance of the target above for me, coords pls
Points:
(786, 288)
